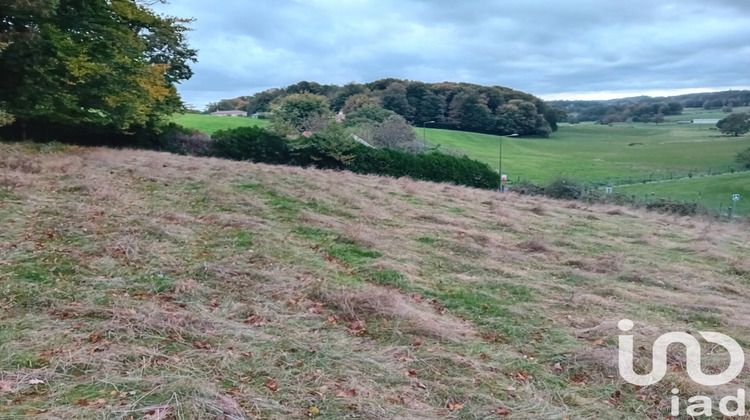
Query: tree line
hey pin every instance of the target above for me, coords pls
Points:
(448, 105)
(641, 111)
(647, 109)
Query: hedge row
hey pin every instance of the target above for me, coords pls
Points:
(258, 145)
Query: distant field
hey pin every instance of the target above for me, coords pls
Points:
(620, 154)
(210, 124)
(692, 113)
(711, 191)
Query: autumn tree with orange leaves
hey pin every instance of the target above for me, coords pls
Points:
(108, 65)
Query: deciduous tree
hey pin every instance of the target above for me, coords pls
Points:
(107, 64)
(735, 124)
(395, 133)
(301, 112)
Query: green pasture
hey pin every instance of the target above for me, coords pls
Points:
(616, 154)
(210, 124)
(689, 114)
(714, 192)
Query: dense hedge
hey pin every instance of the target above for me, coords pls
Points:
(251, 143)
(432, 166)
(259, 145)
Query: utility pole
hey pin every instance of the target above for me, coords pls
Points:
(424, 132)
(500, 160)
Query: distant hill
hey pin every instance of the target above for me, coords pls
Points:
(448, 105)
(650, 109)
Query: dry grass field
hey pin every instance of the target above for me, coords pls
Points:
(144, 285)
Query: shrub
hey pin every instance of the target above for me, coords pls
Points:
(528, 188)
(182, 141)
(743, 158)
(332, 148)
(563, 188)
(251, 143)
(675, 207)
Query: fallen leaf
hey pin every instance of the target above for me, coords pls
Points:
(159, 414)
(502, 411)
(202, 346)
(455, 406)
(255, 321)
(6, 387)
(523, 375)
(357, 328)
(348, 393)
(271, 384)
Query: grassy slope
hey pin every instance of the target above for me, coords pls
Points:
(144, 284)
(711, 191)
(210, 124)
(602, 153)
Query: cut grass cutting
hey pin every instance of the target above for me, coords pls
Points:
(139, 284)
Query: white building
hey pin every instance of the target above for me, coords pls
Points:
(706, 121)
(230, 113)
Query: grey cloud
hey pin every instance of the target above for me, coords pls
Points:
(539, 46)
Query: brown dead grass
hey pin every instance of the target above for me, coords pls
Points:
(410, 315)
(142, 285)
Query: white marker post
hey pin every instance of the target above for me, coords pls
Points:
(735, 199)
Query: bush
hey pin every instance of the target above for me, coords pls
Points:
(675, 207)
(563, 188)
(743, 158)
(332, 148)
(182, 141)
(251, 143)
(528, 188)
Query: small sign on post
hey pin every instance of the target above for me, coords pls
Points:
(736, 197)
(609, 190)
(504, 178)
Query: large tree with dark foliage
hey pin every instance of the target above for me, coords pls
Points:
(106, 65)
(735, 124)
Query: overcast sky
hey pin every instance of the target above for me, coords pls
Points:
(555, 49)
